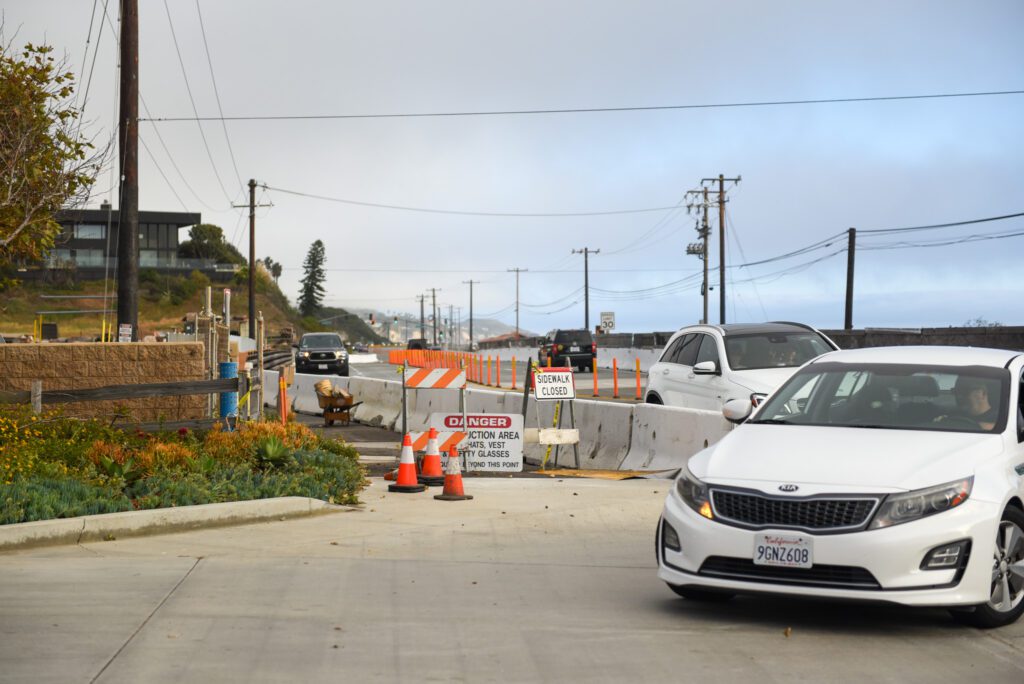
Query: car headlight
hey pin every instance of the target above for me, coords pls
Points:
(340, 354)
(694, 493)
(920, 503)
(304, 354)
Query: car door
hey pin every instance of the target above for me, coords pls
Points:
(706, 391)
(674, 370)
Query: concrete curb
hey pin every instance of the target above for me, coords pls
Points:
(91, 528)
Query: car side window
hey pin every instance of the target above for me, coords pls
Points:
(672, 349)
(1020, 410)
(688, 350)
(708, 350)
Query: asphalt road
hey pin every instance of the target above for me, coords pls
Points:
(534, 580)
(584, 381)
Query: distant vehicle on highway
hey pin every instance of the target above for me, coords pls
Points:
(887, 474)
(360, 348)
(704, 366)
(416, 343)
(572, 348)
(321, 353)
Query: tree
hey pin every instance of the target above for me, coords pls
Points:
(45, 165)
(206, 241)
(273, 268)
(312, 294)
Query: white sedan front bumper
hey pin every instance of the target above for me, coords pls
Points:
(891, 555)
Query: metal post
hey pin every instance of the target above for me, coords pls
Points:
(37, 396)
(260, 336)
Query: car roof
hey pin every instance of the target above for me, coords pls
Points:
(730, 329)
(923, 355)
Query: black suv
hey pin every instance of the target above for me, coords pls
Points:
(569, 348)
(321, 353)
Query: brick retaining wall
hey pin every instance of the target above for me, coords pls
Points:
(87, 365)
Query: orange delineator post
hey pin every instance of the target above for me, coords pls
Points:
(497, 371)
(282, 399)
(638, 395)
(595, 376)
(513, 372)
(615, 378)
(488, 370)
(549, 362)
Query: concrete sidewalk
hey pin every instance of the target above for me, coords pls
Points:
(533, 580)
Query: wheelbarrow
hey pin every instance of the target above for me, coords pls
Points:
(337, 404)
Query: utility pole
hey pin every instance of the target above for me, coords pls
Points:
(423, 328)
(721, 238)
(701, 249)
(252, 254)
(458, 326)
(128, 204)
(586, 252)
(517, 271)
(851, 249)
(470, 310)
(451, 324)
(252, 259)
(433, 309)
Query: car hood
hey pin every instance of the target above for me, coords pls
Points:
(762, 380)
(832, 459)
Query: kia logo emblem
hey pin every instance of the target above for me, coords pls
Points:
(788, 488)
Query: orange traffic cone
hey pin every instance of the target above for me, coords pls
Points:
(430, 470)
(453, 480)
(406, 481)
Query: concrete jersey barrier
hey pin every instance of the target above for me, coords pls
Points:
(665, 437)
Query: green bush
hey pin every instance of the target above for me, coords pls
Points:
(28, 499)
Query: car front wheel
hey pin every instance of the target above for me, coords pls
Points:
(1006, 602)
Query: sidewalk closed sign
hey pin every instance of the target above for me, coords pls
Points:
(553, 383)
(494, 441)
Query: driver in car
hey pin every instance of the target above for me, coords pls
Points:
(973, 402)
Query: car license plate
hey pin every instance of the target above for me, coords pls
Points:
(322, 366)
(574, 348)
(783, 550)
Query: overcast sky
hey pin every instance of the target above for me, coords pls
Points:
(809, 171)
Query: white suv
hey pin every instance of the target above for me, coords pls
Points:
(704, 366)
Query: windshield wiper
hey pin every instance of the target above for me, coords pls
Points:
(771, 421)
(865, 425)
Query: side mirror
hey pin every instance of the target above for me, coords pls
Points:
(706, 368)
(737, 410)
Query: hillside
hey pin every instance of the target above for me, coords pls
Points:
(163, 302)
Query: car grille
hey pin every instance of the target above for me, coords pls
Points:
(824, 514)
(322, 356)
(844, 576)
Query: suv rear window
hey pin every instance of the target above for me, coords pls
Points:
(581, 337)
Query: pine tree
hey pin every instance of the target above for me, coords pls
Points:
(312, 294)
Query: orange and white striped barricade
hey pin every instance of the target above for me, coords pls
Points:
(433, 379)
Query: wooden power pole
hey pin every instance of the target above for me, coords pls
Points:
(851, 249)
(128, 137)
(517, 272)
(721, 239)
(586, 252)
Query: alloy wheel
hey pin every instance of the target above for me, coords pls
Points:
(1008, 568)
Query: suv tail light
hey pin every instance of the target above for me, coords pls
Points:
(593, 348)
(559, 347)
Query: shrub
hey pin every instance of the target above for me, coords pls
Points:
(25, 500)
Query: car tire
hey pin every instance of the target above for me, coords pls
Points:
(344, 371)
(702, 595)
(1002, 610)
(654, 399)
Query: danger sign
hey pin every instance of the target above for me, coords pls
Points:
(553, 383)
(494, 441)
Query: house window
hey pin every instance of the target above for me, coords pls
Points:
(90, 231)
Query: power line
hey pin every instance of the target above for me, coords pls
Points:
(590, 110)
(467, 213)
(216, 94)
(191, 99)
(943, 225)
(161, 172)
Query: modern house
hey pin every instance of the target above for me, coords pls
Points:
(88, 242)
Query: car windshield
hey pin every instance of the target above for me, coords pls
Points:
(581, 337)
(894, 396)
(321, 342)
(774, 350)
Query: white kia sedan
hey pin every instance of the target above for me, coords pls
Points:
(888, 474)
(704, 366)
